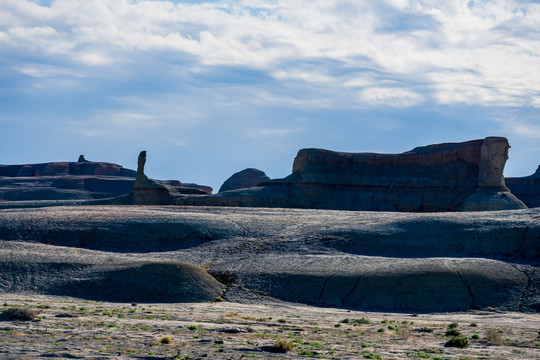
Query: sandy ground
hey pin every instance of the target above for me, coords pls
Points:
(68, 328)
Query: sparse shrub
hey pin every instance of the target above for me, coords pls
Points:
(165, 340)
(371, 355)
(307, 352)
(404, 331)
(473, 324)
(356, 322)
(21, 314)
(193, 327)
(337, 325)
(475, 336)
(282, 345)
(420, 355)
(458, 341)
(282, 321)
(494, 336)
(392, 327)
(380, 330)
(219, 299)
(453, 325)
(453, 332)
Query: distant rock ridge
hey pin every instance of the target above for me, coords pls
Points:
(526, 188)
(66, 168)
(82, 180)
(443, 177)
(246, 178)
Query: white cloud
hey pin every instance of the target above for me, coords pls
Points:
(475, 52)
(396, 97)
(265, 132)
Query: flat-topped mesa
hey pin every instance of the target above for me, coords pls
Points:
(431, 178)
(444, 177)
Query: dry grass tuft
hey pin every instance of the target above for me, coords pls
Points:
(283, 346)
(165, 340)
(21, 314)
(494, 336)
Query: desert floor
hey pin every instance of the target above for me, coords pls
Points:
(68, 328)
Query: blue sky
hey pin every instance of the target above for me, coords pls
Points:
(210, 88)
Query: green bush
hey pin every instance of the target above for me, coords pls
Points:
(453, 332)
(458, 341)
(370, 355)
(453, 325)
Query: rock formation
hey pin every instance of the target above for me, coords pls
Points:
(526, 188)
(150, 192)
(413, 262)
(443, 177)
(246, 178)
(82, 180)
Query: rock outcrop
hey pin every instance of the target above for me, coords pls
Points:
(413, 262)
(246, 178)
(443, 177)
(526, 188)
(150, 192)
(82, 180)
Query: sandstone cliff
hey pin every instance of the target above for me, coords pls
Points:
(443, 177)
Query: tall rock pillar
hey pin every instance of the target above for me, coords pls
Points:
(491, 193)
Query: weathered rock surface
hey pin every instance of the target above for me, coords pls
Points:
(246, 178)
(526, 188)
(443, 177)
(81, 180)
(370, 260)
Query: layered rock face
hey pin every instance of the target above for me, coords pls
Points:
(444, 177)
(81, 180)
(246, 178)
(64, 181)
(526, 188)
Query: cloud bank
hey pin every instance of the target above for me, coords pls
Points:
(269, 68)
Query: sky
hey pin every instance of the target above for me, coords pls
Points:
(209, 88)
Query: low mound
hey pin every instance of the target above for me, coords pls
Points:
(143, 282)
(421, 285)
(369, 260)
(151, 282)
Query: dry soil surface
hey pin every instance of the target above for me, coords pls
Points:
(68, 328)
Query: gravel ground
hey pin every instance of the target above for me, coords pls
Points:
(68, 328)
